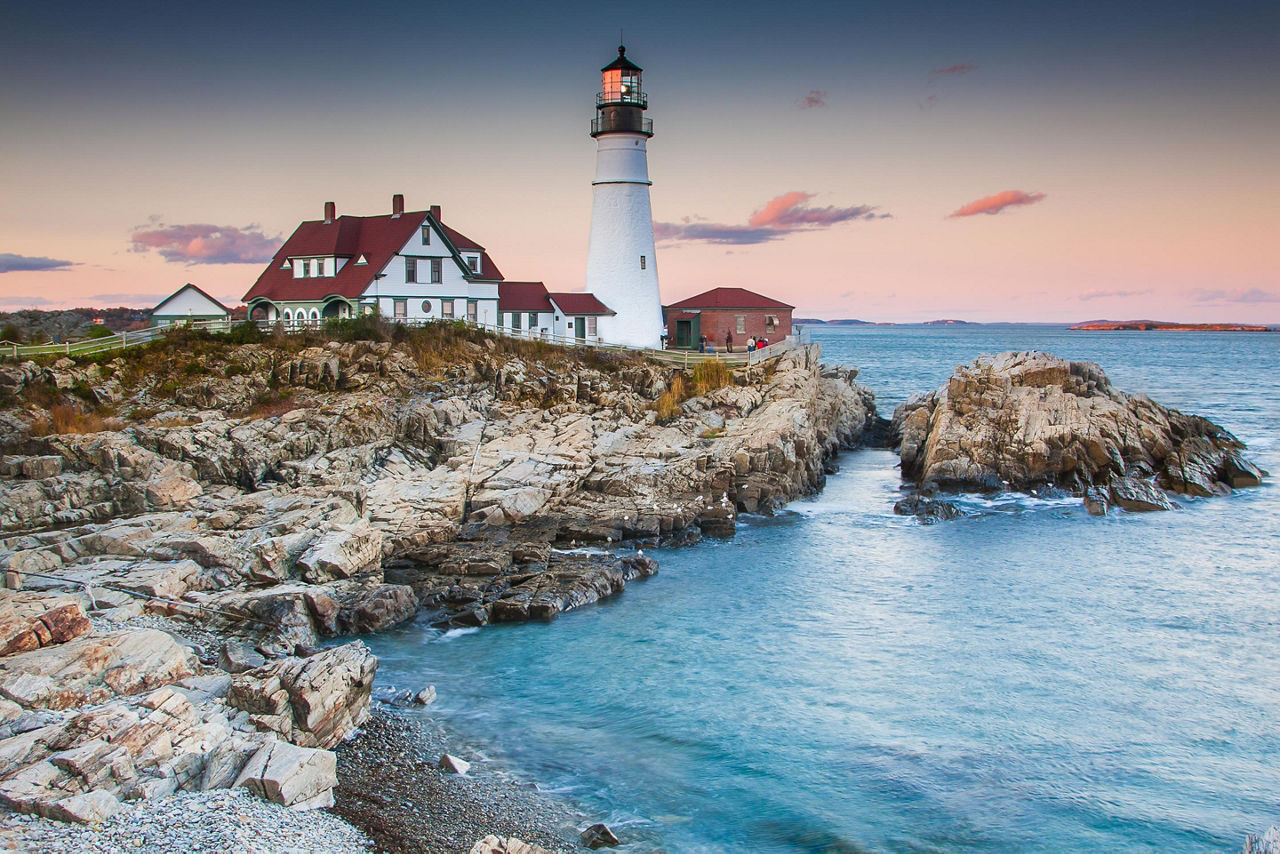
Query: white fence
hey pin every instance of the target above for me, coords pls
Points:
(121, 340)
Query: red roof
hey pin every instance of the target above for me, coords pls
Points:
(580, 303)
(523, 296)
(377, 238)
(729, 298)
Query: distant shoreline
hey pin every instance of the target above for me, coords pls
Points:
(1159, 326)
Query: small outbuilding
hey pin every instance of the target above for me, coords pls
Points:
(185, 304)
(727, 316)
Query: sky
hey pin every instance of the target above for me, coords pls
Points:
(892, 161)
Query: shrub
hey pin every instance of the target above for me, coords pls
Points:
(234, 369)
(366, 327)
(668, 405)
(244, 333)
(11, 333)
(711, 375)
(69, 419)
(96, 332)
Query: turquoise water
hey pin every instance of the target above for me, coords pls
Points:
(840, 679)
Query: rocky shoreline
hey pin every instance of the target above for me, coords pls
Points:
(183, 528)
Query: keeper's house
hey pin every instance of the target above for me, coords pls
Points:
(186, 304)
(408, 266)
(528, 308)
(723, 312)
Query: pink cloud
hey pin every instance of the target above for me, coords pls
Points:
(207, 244)
(779, 217)
(998, 202)
(815, 98)
(953, 70)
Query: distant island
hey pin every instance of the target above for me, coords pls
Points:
(949, 323)
(1147, 325)
(842, 322)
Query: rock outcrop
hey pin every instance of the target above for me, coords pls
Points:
(1031, 420)
(280, 497)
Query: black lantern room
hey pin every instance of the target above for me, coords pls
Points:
(621, 103)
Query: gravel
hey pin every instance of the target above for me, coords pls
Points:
(389, 786)
(223, 821)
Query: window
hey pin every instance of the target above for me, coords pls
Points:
(641, 262)
(401, 308)
(317, 267)
(742, 324)
(411, 269)
(472, 310)
(474, 263)
(288, 316)
(515, 321)
(591, 327)
(426, 235)
(361, 260)
(446, 309)
(426, 306)
(436, 270)
(533, 319)
(315, 315)
(499, 318)
(302, 269)
(769, 323)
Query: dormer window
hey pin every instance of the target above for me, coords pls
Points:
(317, 267)
(473, 262)
(362, 260)
(286, 265)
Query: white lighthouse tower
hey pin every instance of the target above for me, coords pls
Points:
(621, 269)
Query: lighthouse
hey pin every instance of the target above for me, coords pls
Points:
(622, 271)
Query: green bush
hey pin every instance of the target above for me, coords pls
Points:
(366, 327)
(96, 332)
(244, 333)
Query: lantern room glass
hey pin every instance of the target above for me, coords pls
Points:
(621, 86)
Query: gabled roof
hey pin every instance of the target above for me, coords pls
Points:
(188, 287)
(523, 296)
(729, 298)
(579, 303)
(377, 238)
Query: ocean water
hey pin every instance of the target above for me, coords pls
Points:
(839, 679)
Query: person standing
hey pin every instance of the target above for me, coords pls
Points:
(728, 342)
(751, 344)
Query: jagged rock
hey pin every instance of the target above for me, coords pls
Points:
(238, 656)
(172, 493)
(87, 808)
(38, 468)
(453, 765)
(426, 696)
(344, 552)
(927, 510)
(300, 777)
(312, 702)
(1026, 420)
(1139, 496)
(599, 836)
(30, 622)
(1265, 843)
(385, 606)
(94, 668)
(505, 845)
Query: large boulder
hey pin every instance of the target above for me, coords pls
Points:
(311, 702)
(298, 777)
(1028, 420)
(94, 668)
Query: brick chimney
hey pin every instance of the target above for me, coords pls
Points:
(397, 204)
(330, 211)
(435, 212)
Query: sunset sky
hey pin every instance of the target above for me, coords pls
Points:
(892, 161)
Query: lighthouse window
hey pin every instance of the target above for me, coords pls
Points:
(641, 262)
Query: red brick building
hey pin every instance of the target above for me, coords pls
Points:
(724, 315)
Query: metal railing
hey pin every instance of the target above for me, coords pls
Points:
(620, 124)
(630, 98)
(122, 340)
